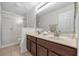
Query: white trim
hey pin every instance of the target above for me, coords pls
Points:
(15, 43)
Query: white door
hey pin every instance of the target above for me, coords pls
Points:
(9, 31)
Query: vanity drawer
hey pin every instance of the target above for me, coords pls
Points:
(32, 38)
(58, 48)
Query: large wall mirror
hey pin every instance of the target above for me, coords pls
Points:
(63, 18)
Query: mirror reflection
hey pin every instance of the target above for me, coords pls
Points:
(58, 20)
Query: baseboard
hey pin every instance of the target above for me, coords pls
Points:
(15, 43)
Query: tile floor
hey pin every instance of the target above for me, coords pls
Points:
(13, 51)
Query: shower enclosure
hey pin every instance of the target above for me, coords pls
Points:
(10, 28)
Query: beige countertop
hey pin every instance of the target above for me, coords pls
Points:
(61, 39)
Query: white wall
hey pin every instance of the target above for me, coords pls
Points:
(52, 17)
(77, 28)
(10, 28)
(30, 18)
(25, 21)
(0, 24)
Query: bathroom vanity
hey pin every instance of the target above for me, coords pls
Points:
(41, 45)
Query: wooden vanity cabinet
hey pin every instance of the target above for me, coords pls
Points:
(50, 53)
(31, 44)
(28, 45)
(33, 48)
(41, 47)
(41, 51)
(57, 48)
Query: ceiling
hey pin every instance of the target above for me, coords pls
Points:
(20, 8)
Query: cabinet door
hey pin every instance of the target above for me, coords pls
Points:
(28, 45)
(33, 48)
(58, 48)
(41, 51)
(50, 53)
